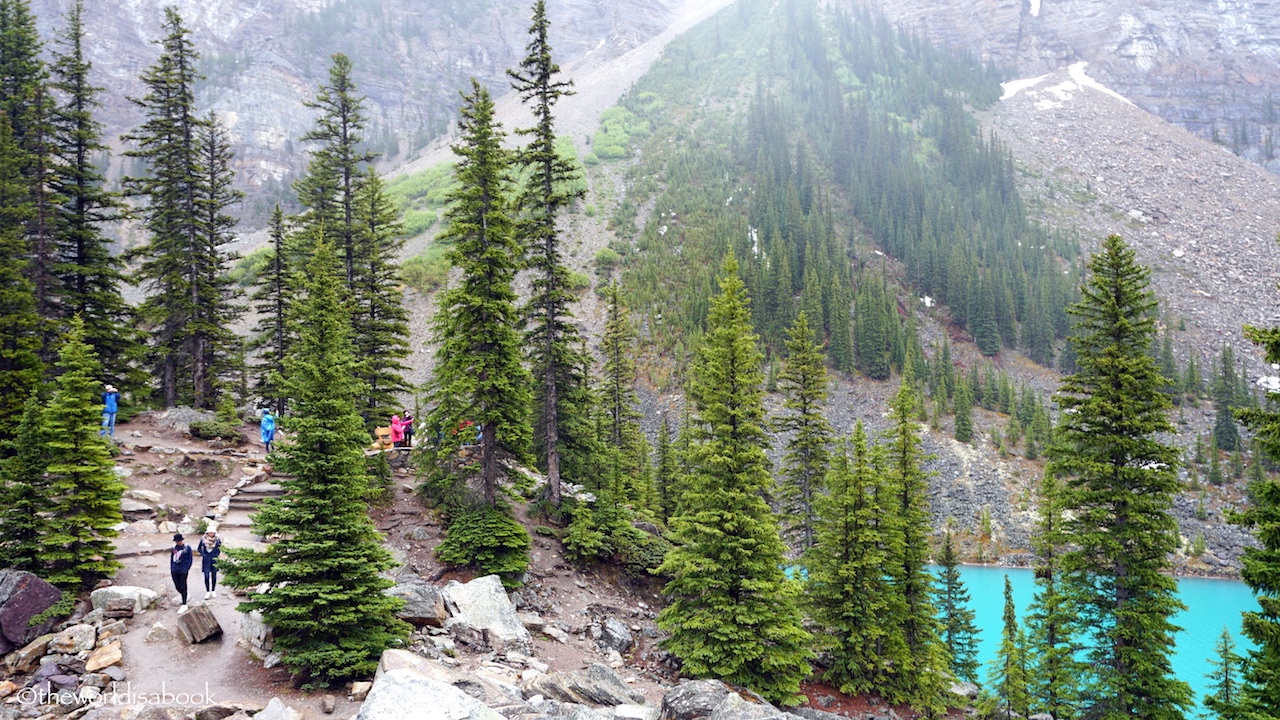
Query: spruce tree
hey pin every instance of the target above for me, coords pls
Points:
(20, 366)
(324, 594)
(1225, 434)
(1117, 484)
(664, 471)
(89, 276)
(958, 630)
(275, 333)
(380, 324)
(964, 413)
(552, 337)
(1224, 699)
(186, 193)
(1008, 673)
(845, 584)
(1260, 690)
(617, 395)
(804, 383)
(918, 672)
(84, 494)
(478, 375)
(24, 493)
(732, 614)
(1053, 673)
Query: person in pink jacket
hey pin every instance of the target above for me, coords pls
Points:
(397, 431)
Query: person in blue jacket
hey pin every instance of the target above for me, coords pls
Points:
(268, 425)
(110, 403)
(179, 566)
(210, 548)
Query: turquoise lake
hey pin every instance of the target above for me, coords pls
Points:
(1210, 605)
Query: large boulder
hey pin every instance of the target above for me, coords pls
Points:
(423, 602)
(735, 707)
(198, 624)
(405, 693)
(492, 691)
(257, 634)
(597, 686)
(75, 639)
(614, 635)
(482, 605)
(22, 597)
(142, 598)
(693, 699)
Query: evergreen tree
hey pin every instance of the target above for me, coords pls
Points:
(83, 506)
(552, 337)
(805, 384)
(274, 334)
(622, 420)
(89, 276)
(186, 192)
(732, 614)
(964, 413)
(845, 585)
(344, 202)
(478, 375)
(1225, 676)
(1260, 690)
(665, 471)
(872, 330)
(918, 672)
(24, 493)
(958, 630)
(324, 594)
(1225, 434)
(1008, 675)
(379, 323)
(20, 366)
(1053, 671)
(1118, 484)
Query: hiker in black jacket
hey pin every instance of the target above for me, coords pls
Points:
(179, 566)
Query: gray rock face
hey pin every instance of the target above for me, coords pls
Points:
(693, 699)
(598, 686)
(483, 605)
(406, 694)
(277, 710)
(22, 597)
(735, 707)
(1204, 66)
(423, 602)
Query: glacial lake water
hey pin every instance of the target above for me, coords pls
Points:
(1211, 604)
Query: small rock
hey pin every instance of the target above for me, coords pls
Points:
(74, 639)
(158, 633)
(150, 496)
(277, 710)
(109, 654)
(328, 704)
(360, 690)
(7, 688)
(106, 632)
(556, 634)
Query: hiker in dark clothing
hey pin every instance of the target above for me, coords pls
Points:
(210, 548)
(179, 566)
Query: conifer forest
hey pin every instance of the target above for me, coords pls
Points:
(802, 188)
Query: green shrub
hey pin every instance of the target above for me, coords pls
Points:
(210, 429)
(642, 556)
(416, 222)
(428, 271)
(63, 608)
(246, 270)
(578, 281)
(490, 540)
(607, 258)
(591, 159)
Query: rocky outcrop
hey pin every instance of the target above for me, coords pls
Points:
(1210, 67)
(483, 615)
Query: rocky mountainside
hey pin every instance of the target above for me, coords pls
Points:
(262, 59)
(1212, 67)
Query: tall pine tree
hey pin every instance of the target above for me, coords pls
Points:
(959, 632)
(552, 337)
(732, 614)
(479, 377)
(324, 594)
(805, 384)
(20, 366)
(1117, 484)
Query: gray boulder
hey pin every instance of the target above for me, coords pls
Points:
(597, 686)
(966, 691)
(693, 699)
(74, 639)
(735, 707)
(809, 713)
(615, 636)
(404, 693)
(491, 691)
(142, 598)
(423, 602)
(483, 605)
(22, 597)
(277, 710)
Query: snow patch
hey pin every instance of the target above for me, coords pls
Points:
(1056, 95)
(1078, 74)
(928, 301)
(1013, 87)
(1035, 8)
